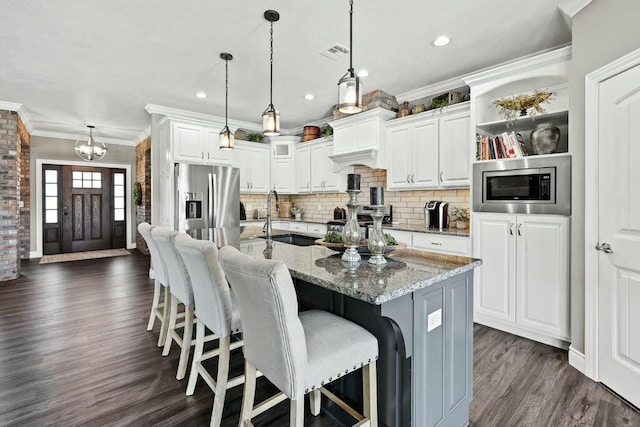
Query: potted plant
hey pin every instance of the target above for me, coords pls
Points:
(461, 215)
(297, 213)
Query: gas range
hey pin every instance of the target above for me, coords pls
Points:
(364, 220)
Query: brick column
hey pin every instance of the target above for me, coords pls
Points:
(24, 232)
(143, 176)
(9, 195)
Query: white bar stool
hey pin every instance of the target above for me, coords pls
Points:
(301, 353)
(159, 310)
(216, 310)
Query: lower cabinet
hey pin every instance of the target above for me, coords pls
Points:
(522, 286)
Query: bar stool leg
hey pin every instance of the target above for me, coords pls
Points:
(197, 358)
(187, 333)
(370, 393)
(248, 394)
(154, 304)
(221, 381)
(314, 401)
(171, 326)
(296, 415)
(164, 324)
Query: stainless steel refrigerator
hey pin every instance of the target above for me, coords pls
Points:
(208, 202)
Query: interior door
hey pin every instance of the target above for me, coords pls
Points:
(619, 234)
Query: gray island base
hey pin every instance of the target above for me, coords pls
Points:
(419, 306)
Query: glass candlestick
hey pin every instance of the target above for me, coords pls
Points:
(377, 240)
(351, 231)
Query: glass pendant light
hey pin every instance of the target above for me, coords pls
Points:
(226, 137)
(350, 86)
(90, 150)
(271, 117)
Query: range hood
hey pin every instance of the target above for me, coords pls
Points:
(365, 156)
(360, 139)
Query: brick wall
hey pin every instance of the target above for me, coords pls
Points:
(143, 176)
(9, 195)
(24, 229)
(408, 206)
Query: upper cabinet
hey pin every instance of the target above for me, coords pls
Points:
(544, 73)
(314, 170)
(359, 139)
(429, 150)
(282, 163)
(197, 144)
(254, 161)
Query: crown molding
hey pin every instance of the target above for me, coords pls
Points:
(570, 8)
(76, 136)
(9, 106)
(26, 119)
(433, 89)
(143, 135)
(199, 118)
(521, 65)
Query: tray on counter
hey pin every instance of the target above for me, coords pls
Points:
(363, 249)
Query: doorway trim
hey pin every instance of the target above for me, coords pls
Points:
(591, 145)
(38, 197)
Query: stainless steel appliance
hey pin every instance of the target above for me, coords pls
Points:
(364, 220)
(339, 214)
(436, 214)
(530, 185)
(207, 201)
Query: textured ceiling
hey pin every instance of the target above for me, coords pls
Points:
(71, 62)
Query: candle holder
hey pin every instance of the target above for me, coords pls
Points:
(377, 240)
(351, 231)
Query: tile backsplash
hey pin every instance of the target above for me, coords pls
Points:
(408, 206)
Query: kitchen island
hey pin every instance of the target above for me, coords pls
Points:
(418, 305)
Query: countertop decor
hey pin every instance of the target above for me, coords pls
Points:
(513, 106)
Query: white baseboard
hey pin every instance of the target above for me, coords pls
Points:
(131, 245)
(576, 359)
(34, 254)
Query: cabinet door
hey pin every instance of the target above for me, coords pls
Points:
(454, 151)
(187, 142)
(321, 167)
(494, 241)
(367, 134)
(212, 152)
(399, 170)
(332, 180)
(543, 274)
(241, 161)
(424, 155)
(344, 137)
(260, 166)
(282, 175)
(302, 168)
(455, 245)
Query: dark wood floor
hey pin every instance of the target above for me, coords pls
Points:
(74, 351)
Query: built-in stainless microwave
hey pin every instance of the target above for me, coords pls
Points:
(533, 185)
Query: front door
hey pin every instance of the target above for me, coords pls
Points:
(619, 228)
(84, 209)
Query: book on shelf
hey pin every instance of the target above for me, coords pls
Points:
(507, 145)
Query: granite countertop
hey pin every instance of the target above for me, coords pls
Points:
(463, 232)
(407, 270)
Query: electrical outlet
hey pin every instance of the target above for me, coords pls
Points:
(434, 320)
(319, 207)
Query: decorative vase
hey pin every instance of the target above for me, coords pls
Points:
(351, 231)
(377, 240)
(461, 224)
(545, 138)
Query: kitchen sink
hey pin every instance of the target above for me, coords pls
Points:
(294, 239)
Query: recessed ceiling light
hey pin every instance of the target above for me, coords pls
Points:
(363, 73)
(309, 96)
(201, 95)
(441, 41)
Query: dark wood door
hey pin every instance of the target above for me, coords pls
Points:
(84, 209)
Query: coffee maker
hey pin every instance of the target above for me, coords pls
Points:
(436, 214)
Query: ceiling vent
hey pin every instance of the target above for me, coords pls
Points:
(335, 51)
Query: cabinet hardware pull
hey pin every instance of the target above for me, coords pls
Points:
(441, 177)
(605, 247)
(202, 155)
(519, 229)
(413, 178)
(436, 243)
(208, 155)
(511, 228)
(408, 178)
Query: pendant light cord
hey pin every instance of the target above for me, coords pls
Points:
(226, 92)
(271, 77)
(351, 37)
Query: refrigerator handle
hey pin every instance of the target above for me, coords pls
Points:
(212, 199)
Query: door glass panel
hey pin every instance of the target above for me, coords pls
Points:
(50, 176)
(51, 203)
(76, 175)
(97, 176)
(77, 183)
(118, 197)
(97, 184)
(86, 176)
(51, 189)
(87, 179)
(51, 216)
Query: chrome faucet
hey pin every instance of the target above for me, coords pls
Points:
(267, 225)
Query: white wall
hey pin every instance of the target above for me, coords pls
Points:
(603, 31)
(62, 150)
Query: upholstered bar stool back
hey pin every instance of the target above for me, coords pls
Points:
(181, 292)
(216, 310)
(298, 353)
(159, 309)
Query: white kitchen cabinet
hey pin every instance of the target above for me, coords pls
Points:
(314, 169)
(254, 161)
(317, 229)
(299, 226)
(197, 144)
(522, 286)
(282, 164)
(429, 150)
(413, 152)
